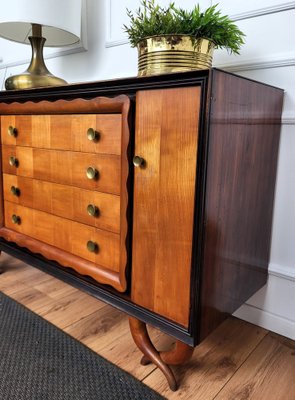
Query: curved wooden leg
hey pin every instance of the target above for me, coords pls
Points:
(142, 340)
(179, 354)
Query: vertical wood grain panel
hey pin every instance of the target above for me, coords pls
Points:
(164, 192)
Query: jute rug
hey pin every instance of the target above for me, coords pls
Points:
(40, 362)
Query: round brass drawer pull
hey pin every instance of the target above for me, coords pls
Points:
(92, 135)
(91, 173)
(138, 161)
(15, 219)
(92, 210)
(92, 246)
(13, 161)
(12, 131)
(15, 191)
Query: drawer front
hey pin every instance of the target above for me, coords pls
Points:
(65, 201)
(64, 132)
(69, 160)
(65, 234)
(64, 167)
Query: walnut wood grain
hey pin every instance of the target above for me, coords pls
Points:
(244, 135)
(65, 201)
(65, 167)
(167, 138)
(65, 132)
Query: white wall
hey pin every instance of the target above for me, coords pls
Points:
(268, 56)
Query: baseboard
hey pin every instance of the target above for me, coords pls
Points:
(266, 320)
(284, 272)
(272, 307)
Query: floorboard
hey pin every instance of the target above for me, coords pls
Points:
(238, 361)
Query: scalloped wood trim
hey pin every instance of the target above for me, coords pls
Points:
(99, 105)
(95, 271)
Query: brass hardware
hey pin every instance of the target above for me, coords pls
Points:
(91, 173)
(12, 131)
(92, 246)
(37, 74)
(13, 161)
(15, 219)
(173, 53)
(138, 161)
(15, 191)
(92, 210)
(92, 135)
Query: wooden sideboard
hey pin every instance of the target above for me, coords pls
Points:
(153, 194)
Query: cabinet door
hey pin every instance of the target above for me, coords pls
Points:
(167, 123)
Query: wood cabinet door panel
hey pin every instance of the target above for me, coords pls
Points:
(166, 137)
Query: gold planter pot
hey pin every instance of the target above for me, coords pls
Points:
(173, 53)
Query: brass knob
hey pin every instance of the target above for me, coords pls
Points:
(92, 210)
(12, 131)
(91, 173)
(138, 161)
(13, 161)
(92, 135)
(92, 246)
(15, 191)
(15, 219)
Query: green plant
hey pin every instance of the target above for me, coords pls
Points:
(153, 20)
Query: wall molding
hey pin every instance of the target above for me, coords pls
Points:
(267, 320)
(275, 61)
(284, 272)
(288, 121)
(58, 53)
(273, 321)
(259, 12)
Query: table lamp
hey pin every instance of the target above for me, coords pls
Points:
(53, 23)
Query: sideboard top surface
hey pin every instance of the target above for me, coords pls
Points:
(111, 87)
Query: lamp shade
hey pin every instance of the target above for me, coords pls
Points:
(60, 20)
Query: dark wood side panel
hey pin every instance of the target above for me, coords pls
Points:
(241, 172)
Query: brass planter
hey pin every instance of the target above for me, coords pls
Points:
(173, 53)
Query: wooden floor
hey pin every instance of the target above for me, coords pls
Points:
(239, 361)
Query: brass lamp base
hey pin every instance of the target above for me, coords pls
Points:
(28, 80)
(37, 74)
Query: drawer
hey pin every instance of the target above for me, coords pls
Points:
(66, 235)
(64, 167)
(64, 132)
(64, 201)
